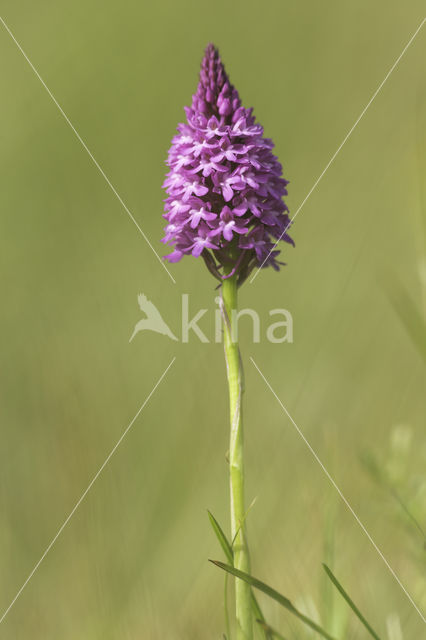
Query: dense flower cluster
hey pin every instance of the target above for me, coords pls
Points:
(225, 186)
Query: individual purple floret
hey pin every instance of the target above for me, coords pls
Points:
(225, 186)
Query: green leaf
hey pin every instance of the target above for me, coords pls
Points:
(223, 540)
(260, 617)
(256, 609)
(282, 600)
(269, 630)
(226, 610)
(350, 602)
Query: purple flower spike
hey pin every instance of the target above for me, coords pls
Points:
(225, 187)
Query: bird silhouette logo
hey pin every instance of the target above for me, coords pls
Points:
(153, 320)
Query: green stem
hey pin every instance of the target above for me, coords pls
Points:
(243, 605)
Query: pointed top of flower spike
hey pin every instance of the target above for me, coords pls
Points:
(225, 186)
(215, 95)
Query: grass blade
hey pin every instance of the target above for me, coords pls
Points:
(260, 618)
(269, 630)
(226, 610)
(350, 602)
(229, 553)
(223, 540)
(269, 591)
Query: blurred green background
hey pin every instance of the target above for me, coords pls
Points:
(132, 561)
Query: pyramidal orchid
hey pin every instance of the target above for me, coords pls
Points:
(225, 186)
(224, 202)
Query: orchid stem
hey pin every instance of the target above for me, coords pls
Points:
(243, 604)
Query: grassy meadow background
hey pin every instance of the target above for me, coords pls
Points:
(132, 561)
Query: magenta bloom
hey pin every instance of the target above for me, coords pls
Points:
(225, 186)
